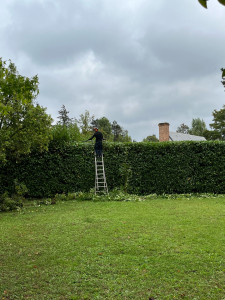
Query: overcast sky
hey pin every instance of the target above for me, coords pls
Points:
(139, 62)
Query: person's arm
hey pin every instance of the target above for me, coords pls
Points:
(91, 138)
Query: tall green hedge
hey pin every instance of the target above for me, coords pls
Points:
(143, 168)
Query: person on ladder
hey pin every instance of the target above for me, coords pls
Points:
(98, 141)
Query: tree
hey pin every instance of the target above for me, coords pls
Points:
(116, 130)
(125, 137)
(63, 117)
(85, 122)
(65, 135)
(24, 124)
(183, 129)
(204, 2)
(111, 131)
(198, 127)
(218, 126)
(151, 138)
(66, 131)
(104, 126)
(119, 134)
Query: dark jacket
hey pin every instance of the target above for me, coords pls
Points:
(98, 137)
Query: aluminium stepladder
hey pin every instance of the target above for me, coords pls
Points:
(100, 178)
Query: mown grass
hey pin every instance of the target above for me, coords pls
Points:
(154, 249)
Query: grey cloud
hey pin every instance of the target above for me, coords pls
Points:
(51, 35)
(139, 62)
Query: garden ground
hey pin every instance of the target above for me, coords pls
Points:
(153, 248)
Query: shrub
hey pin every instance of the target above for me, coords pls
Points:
(7, 203)
(15, 200)
(140, 168)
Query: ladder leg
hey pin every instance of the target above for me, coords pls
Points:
(95, 175)
(100, 178)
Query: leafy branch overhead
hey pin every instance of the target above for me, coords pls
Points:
(204, 2)
(24, 124)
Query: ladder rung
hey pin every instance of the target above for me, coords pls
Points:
(100, 179)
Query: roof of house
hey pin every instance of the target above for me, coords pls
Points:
(175, 136)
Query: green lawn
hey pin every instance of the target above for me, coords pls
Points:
(153, 249)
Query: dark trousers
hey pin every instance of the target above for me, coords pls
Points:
(98, 148)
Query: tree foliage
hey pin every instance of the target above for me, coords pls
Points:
(66, 131)
(151, 138)
(85, 123)
(125, 137)
(24, 124)
(183, 129)
(116, 131)
(69, 130)
(119, 134)
(63, 117)
(218, 126)
(198, 127)
(111, 131)
(104, 125)
(65, 135)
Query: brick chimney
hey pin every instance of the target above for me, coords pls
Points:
(164, 132)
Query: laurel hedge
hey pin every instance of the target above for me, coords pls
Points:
(141, 168)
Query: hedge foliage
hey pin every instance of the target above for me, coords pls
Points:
(140, 168)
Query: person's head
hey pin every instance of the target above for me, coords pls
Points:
(95, 129)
